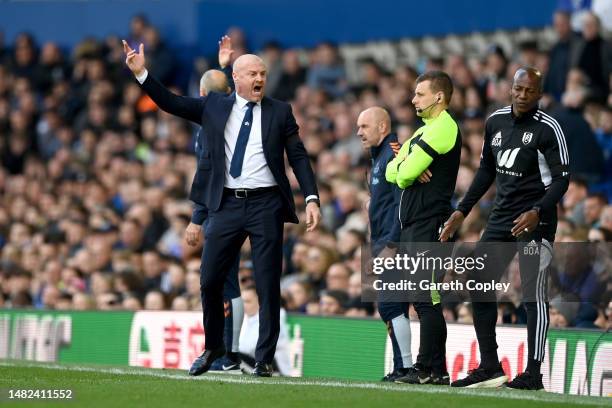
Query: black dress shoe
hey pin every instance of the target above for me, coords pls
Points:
(202, 364)
(262, 370)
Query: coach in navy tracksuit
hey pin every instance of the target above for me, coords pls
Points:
(374, 126)
(384, 197)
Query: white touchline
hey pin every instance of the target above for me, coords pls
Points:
(498, 393)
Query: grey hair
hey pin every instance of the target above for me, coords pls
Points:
(208, 82)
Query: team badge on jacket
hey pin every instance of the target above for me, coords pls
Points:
(527, 137)
(496, 142)
(375, 173)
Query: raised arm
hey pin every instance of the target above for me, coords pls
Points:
(225, 59)
(182, 106)
(225, 51)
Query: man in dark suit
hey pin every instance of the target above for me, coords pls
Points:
(245, 189)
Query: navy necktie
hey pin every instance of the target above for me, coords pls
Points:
(241, 143)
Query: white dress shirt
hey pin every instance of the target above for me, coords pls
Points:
(255, 170)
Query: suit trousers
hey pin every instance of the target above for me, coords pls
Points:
(260, 218)
(231, 291)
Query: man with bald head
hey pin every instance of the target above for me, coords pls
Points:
(374, 129)
(214, 80)
(244, 186)
(525, 153)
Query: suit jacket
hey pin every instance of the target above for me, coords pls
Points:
(200, 212)
(279, 133)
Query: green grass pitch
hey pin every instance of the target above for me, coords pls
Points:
(104, 386)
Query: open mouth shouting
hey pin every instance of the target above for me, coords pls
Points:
(258, 90)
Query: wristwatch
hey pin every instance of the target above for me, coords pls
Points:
(537, 209)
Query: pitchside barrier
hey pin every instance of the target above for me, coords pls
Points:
(577, 361)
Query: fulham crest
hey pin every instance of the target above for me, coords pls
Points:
(496, 142)
(527, 137)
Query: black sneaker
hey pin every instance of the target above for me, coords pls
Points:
(226, 365)
(527, 381)
(395, 374)
(480, 378)
(415, 375)
(443, 379)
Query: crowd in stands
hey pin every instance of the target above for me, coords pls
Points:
(94, 179)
